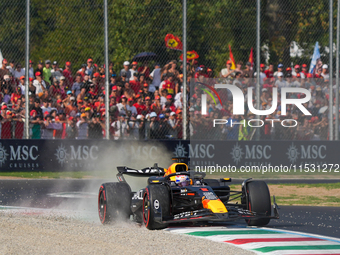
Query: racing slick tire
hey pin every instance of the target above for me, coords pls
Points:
(114, 202)
(155, 196)
(258, 201)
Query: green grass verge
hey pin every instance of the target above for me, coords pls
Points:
(296, 199)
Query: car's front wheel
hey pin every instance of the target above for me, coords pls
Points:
(155, 197)
(258, 202)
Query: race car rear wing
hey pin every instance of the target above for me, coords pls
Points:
(145, 172)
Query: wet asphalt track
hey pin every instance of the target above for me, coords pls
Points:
(34, 193)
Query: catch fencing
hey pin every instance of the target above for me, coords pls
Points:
(69, 89)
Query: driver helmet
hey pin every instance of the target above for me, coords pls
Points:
(182, 180)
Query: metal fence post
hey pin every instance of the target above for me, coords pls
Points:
(258, 52)
(337, 74)
(107, 89)
(184, 69)
(331, 70)
(27, 124)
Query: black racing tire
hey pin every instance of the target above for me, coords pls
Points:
(152, 193)
(114, 202)
(258, 201)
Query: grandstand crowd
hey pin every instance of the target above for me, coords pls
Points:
(145, 101)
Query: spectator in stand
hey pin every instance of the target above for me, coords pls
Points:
(3, 70)
(168, 84)
(11, 67)
(39, 68)
(122, 105)
(82, 71)
(47, 72)
(148, 105)
(304, 70)
(95, 128)
(89, 67)
(37, 107)
(30, 69)
(280, 82)
(35, 125)
(247, 72)
(153, 126)
(15, 96)
(297, 70)
(262, 74)
(56, 72)
(239, 67)
(156, 106)
(71, 128)
(279, 70)
(126, 71)
(48, 127)
(18, 72)
(22, 84)
(133, 128)
(6, 95)
(82, 126)
(31, 87)
(45, 107)
(67, 73)
(270, 71)
(39, 84)
(325, 74)
(227, 72)
(130, 107)
(155, 76)
(54, 90)
(144, 69)
(120, 127)
(133, 68)
(113, 81)
(146, 93)
(134, 83)
(140, 107)
(6, 126)
(76, 87)
(173, 122)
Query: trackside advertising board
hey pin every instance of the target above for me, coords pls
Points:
(83, 155)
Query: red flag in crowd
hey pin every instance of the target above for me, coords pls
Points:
(190, 55)
(231, 57)
(173, 42)
(251, 58)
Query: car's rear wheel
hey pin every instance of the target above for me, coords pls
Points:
(258, 202)
(114, 202)
(155, 196)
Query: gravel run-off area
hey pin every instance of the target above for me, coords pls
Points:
(54, 234)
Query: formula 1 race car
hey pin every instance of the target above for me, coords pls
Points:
(176, 195)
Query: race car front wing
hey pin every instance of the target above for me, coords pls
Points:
(233, 214)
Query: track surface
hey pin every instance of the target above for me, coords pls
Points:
(81, 194)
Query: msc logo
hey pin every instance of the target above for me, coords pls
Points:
(250, 152)
(306, 152)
